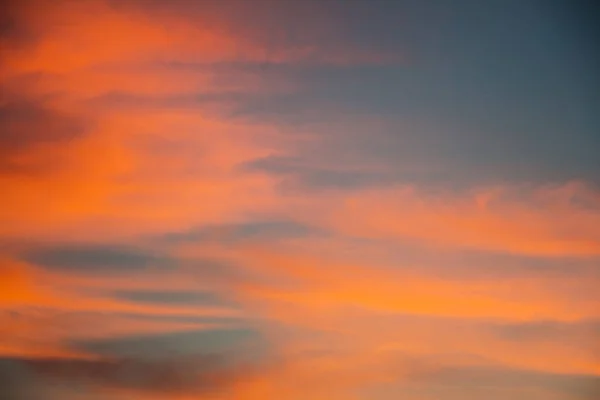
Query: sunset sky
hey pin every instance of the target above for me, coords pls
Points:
(299, 200)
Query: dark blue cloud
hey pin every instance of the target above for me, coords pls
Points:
(95, 258)
(257, 230)
(501, 91)
(298, 174)
(215, 341)
(170, 297)
(193, 375)
(476, 126)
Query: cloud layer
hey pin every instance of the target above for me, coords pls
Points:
(289, 199)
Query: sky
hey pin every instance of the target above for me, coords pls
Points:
(299, 200)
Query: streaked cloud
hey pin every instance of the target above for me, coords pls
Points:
(296, 199)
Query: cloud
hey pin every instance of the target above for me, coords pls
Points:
(245, 231)
(42, 315)
(550, 331)
(300, 176)
(124, 158)
(26, 286)
(28, 126)
(192, 376)
(13, 381)
(95, 258)
(41, 332)
(184, 178)
(544, 221)
(574, 386)
(169, 296)
(220, 339)
(182, 32)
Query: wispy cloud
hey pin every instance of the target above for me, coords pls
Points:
(281, 199)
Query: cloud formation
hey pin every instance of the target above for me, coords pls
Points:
(287, 199)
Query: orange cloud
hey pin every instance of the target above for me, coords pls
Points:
(43, 315)
(122, 171)
(26, 288)
(47, 296)
(119, 170)
(103, 152)
(315, 303)
(321, 283)
(73, 36)
(542, 221)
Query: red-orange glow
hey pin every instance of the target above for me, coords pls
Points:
(497, 220)
(201, 179)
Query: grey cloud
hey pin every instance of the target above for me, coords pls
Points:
(95, 258)
(25, 124)
(275, 164)
(446, 379)
(265, 229)
(13, 381)
(170, 297)
(583, 334)
(576, 386)
(218, 340)
(304, 174)
(194, 375)
(132, 101)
